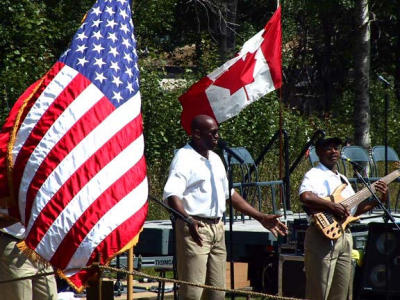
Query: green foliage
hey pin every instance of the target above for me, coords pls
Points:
(317, 66)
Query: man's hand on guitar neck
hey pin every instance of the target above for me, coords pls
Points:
(380, 187)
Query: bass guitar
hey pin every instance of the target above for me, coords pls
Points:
(333, 228)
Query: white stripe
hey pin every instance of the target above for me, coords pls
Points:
(50, 93)
(121, 212)
(85, 149)
(125, 160)
(250, 46)
(84, 102)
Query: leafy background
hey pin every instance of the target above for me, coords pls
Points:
(179, 39)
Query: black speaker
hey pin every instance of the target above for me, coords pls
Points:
(381, 269)
(291, 276)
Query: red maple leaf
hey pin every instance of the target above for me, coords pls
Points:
(238, 75)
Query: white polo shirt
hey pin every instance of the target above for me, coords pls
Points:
(201, 183)
(323, 182)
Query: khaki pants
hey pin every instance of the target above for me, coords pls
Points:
(328, 265)
(202, 265)
(13, 264)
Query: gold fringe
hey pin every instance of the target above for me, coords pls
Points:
(129, 245)
(31, 254)
(132, 243)
(61, 274)
(13, 136)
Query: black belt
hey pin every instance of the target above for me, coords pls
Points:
(207, 220)
(9, 236)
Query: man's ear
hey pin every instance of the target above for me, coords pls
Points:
(195, 134)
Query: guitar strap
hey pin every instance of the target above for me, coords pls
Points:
(342, 179)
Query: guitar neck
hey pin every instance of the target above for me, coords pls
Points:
(360, 196)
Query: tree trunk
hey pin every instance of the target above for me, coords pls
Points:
(361, 83)
(397, 62)
(224, 28)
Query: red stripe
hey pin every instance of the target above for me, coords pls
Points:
(118, 190)
(14, 211)
(112, 244)
(195, 102)
(5, 135)
(75, 183)
(272, 47)
(77, 133)
(119, 237)
(67, 96)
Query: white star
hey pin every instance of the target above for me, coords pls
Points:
(81, 36)
(65, 52)
(121, 1)
(113, 51)
(133, 38)
(97, 48)
(110, 10)
(129, 72)
(82, 25)
(114, 66)
(100, 77)
(96, 11)
(81, 48)
(117, 96)
(134, 52)
(112, 36)
(99, 62)
(97, 35)
(82, 61)
(111, 23)
(123, 14)
(136, 67)
(128, 58)
(124, 28)
(116, 81)
(126, 43)
(96, 23)
(129, 87)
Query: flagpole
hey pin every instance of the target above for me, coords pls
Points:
(130, 276)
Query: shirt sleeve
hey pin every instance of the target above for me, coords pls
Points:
(306, 184)
(177, 180)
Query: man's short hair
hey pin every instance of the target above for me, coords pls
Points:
(325, 141)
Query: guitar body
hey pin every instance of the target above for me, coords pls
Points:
(330, 227)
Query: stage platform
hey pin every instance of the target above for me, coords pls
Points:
(248, 235)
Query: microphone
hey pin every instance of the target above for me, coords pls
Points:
(222, 144)
(380, 77)
(353, 163)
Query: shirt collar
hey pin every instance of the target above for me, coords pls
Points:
(197, 153)
(324, 168)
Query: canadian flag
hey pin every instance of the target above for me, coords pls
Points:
(255, 71)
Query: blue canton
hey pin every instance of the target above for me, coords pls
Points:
(104, 50)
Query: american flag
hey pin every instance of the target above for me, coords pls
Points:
(74, 147)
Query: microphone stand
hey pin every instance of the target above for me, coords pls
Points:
(171, 210)
(230, 186)
(387, 216)
(175, 214)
